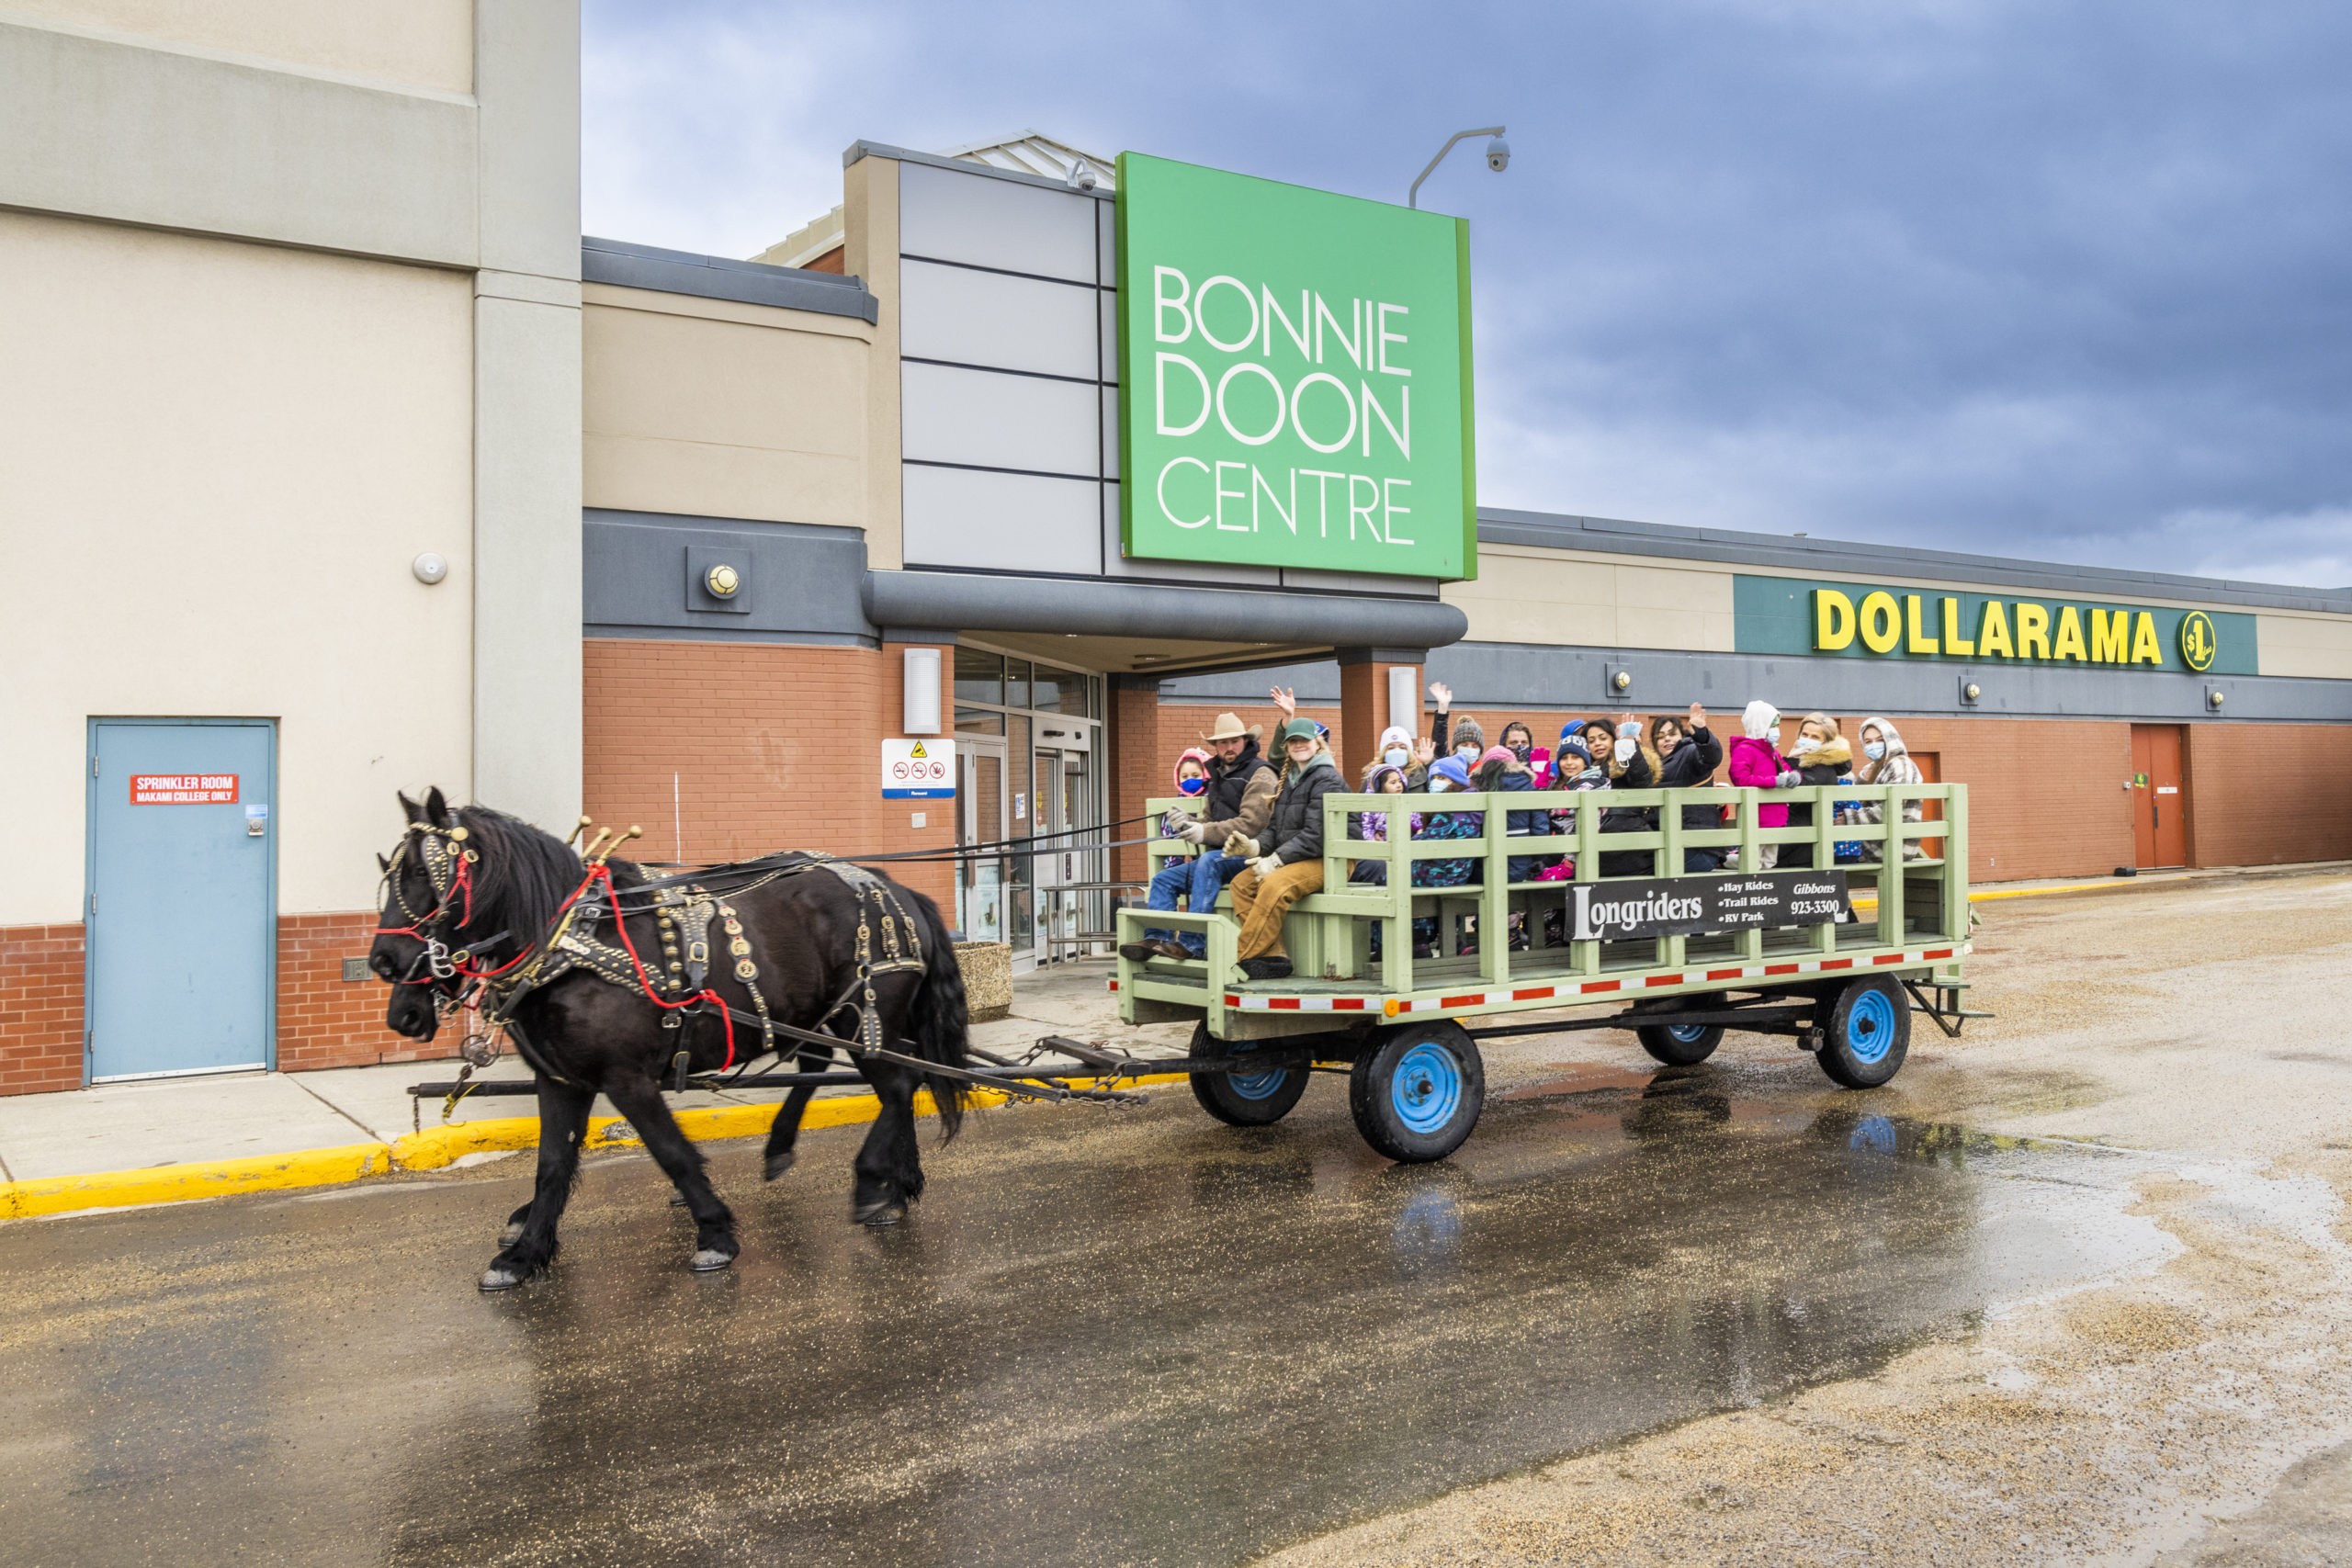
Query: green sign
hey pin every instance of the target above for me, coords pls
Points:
(1851, 620)
(1294, 377)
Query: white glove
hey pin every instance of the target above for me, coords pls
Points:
(1266, 865)
(1242, 847)
(1789, 779)
(1626, 747)
(1190, 831)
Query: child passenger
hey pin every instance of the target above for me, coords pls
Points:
(1757, 764)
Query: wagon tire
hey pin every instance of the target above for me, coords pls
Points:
(1244, 1100)
(1417, 1093)
(1680, 1045)
(1866, 1032)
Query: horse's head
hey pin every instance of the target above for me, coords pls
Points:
(428, 893)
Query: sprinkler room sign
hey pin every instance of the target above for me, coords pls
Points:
(1294, 377)
(1786, 614)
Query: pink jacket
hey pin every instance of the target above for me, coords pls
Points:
(1754, 765)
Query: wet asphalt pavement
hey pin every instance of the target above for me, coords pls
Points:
(1106, 1336)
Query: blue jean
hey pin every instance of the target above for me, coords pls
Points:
(1198, 881)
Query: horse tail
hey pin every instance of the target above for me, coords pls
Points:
(937, 1017)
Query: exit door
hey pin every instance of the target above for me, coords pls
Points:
(181, 910)
(2159, 797)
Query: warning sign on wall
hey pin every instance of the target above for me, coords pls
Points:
(918, 769)
(183, 789)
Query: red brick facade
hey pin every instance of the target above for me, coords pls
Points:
(325, 1020)
(722, 751)
(41, 1008)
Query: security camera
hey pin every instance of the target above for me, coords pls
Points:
(1082, 176)
(1499, 154)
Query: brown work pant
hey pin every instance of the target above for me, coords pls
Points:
(1261, 903)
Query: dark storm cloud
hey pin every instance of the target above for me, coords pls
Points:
(2061, 280)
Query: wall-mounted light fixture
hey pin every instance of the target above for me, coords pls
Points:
(1969, 692)
(920, 706)
(430, 567)
(2215, 696)
(1404, 698)
(1621, 680)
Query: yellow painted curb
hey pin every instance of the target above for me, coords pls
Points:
(180, 1183)
(435, 1148)
(2024, 892)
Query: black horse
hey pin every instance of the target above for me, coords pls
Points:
(474, 892)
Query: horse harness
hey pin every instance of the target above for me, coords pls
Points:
(678, 980)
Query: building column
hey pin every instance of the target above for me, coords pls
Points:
(1365, 706)
(1138, 769)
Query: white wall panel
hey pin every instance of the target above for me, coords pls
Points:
(987, 318)
(986, 222)
(997, 420)
(1002, 522)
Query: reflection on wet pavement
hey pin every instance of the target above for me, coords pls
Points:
(1105, 1337)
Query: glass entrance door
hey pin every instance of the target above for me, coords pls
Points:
(983, 817)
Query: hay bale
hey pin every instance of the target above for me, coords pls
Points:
(987, 979)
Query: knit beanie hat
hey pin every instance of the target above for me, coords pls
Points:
(1451, 769)
(1467, 733)
(1572, 749)
(1395, 735)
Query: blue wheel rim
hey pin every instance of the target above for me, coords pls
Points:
(1426, 1088)
(1257, 1086)
(1685, 1033)
(1870, 1027)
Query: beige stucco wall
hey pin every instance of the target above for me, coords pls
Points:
(414, 43)
(2319, 646)
(870, 251)
(712, 407)
(220, 459)
(1560, 597)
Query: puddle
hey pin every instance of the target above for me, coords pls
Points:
(1138, 1338)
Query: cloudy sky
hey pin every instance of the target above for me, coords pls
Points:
(2063, 280)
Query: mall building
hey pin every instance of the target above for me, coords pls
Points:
(339, 463)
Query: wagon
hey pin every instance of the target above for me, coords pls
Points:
(1395, 983)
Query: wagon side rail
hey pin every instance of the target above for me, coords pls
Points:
(1910, 885)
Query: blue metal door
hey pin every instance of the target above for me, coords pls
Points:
(182, 904)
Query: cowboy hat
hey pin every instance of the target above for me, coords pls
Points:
(1228, 727)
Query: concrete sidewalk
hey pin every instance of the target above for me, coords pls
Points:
(171, 1139)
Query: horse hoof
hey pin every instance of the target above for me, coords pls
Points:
(498, 1279)
(779, 1164)
(710, 1259)
(888, 1212)
(510, 1235)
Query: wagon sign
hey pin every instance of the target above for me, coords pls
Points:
(1686, 906)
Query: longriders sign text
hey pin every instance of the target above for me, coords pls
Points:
(1687, 906)
(1294, 377)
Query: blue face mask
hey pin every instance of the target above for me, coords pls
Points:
(1192, 786)
(1440, 785)
(1874, 749)
(1395, 756)
(1467, 753)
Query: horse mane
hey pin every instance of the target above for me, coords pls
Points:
(522, 877)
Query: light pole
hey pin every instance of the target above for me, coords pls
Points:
(1498, 157)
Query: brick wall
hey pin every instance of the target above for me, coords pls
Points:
(325, 1020)
(772, 746)
(41, 1008)
(2268, 794)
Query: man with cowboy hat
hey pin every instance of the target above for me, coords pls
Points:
(1238, 803)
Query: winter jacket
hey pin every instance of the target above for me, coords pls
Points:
(1240, 796)
(1755, 763)
(1894, 768)
(1564, 817)
(1690, 765)
(1519, 779)
(1447, 825)
(1294, 833)
(1823, 765)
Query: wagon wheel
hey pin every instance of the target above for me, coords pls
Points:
(1243, 1099)
(1680, 1045)
(1417, 1093)
(1865, 1032)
